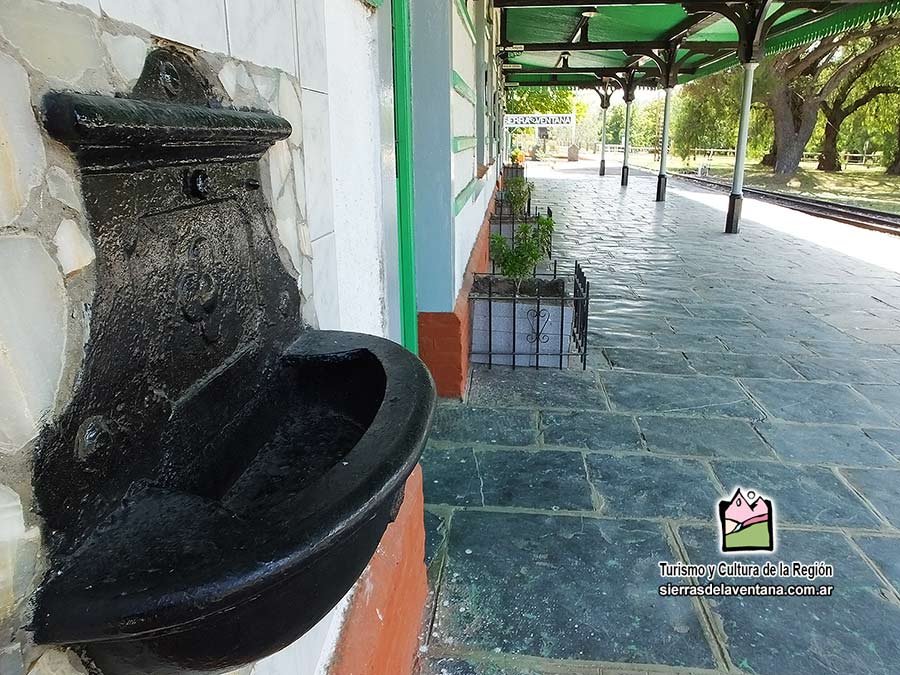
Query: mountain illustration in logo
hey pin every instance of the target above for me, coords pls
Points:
(747, 523)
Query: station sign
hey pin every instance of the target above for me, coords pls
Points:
(510, 121)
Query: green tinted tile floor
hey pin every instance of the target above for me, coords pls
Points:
(759, 360)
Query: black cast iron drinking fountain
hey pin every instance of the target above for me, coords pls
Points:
(222, 475)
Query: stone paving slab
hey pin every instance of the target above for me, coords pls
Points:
(484, 425)
(815, 402)
(551, 586)
(883, 552)
(854, 631)
(648, 360)
(881, 488)
(707, 437)
(809, 495)
(536, 388)
(676, 394)
(466, 476)
(645, 487)
(889, 439)
(884, 396)
(591, 430)
(825, 444)
(741, 365)
(835, 369)
(451, 666)
(763, 360)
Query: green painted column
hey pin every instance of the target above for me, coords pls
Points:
(403, 121)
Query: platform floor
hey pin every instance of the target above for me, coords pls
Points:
(768, 359)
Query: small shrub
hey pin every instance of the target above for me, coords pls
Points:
(518, 258)
(545, 232)
(517, 192)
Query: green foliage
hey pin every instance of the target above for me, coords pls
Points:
(545, 232)
(615, 124)
(762, 131)
(543, 100)
(873, 127)
(705, 114)
(517, 191)
(646, 126)
(581, 111)
(517, 259)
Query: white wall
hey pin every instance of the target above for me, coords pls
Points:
(354, 90)
(469, 65)
(469, 221)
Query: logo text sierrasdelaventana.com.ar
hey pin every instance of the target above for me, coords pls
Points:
(746, 524)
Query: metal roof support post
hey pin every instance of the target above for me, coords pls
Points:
(752, 25)
(605, 92)
(669, 66)
(735, 201)
(629, 85)
(603, 143)
(627, 144)
(664, 148)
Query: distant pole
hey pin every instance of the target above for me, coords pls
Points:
(735, 201)
(603, 145)
(627, 144)
(664, 150)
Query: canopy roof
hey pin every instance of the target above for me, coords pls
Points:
(563, 43)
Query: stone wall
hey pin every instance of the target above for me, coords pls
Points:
(266, 55)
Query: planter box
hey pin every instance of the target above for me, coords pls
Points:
(541, 326)
(542, 334)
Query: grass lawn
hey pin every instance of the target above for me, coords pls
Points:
(856, 185)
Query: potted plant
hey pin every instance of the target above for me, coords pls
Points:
(521, 318)
(515, 209)
(516, 168)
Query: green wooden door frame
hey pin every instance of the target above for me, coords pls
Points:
(403, 123)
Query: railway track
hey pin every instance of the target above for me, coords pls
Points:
(853, 215)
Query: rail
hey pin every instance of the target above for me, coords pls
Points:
(859, 216)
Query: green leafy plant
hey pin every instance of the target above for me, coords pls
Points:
(517, 192)
(517, 259)
(545, 232)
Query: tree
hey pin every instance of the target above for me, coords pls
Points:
(873, 129)
(705, 114)
(894, 167)
(647, 124)
(801, 79)
(859, 89)
(543, 100)
(615, 124)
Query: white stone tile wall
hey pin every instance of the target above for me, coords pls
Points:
(270, 55)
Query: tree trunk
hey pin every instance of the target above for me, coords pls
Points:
(795, 121)
(894, 167)
(829, 160)
(769, 158)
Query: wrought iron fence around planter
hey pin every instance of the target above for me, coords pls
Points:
(505, 222)
(540, 325)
